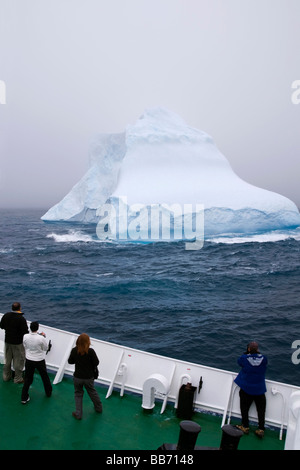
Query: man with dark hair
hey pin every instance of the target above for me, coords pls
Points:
(36, 347)
(15, 327)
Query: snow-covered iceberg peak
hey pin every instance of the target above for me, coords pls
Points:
(158, 125)
(161, 163)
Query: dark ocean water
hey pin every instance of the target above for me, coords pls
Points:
(202, 306)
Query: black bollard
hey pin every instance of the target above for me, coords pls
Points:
(188, 435)
(230, 437)
(186, 401)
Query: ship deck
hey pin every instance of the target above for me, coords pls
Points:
(47, 423)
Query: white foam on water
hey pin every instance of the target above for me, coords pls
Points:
(73, 236)
(272, 236)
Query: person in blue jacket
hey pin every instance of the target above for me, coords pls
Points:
(251, 380)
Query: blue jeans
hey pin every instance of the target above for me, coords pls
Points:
(88, 384)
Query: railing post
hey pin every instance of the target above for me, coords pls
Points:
(61, 370)
(292, 441)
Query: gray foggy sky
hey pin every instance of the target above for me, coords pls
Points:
(76, 68)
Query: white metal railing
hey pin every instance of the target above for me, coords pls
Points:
(128, 369)
(292, 441)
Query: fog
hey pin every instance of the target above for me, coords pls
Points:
(73, 69)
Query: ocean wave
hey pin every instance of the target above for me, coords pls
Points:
(6, 251)
(273, 236)
(159, 297)
(266, 237)
(73, 236)
(104, 274)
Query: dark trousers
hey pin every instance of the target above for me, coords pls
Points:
(30, 367)
(260, 403)
(88, 384)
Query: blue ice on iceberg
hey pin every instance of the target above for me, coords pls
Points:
(162, 162)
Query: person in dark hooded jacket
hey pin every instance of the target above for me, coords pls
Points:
(251, 380)
(15, 327)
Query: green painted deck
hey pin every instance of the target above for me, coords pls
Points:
(47, 423)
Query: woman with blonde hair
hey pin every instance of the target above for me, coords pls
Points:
(86, 362)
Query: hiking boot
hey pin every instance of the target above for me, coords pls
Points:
(242, 428)
(260, 433)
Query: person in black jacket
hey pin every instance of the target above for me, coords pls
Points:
(15, 327)
(86, 362)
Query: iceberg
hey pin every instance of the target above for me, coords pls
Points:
(161, 174)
